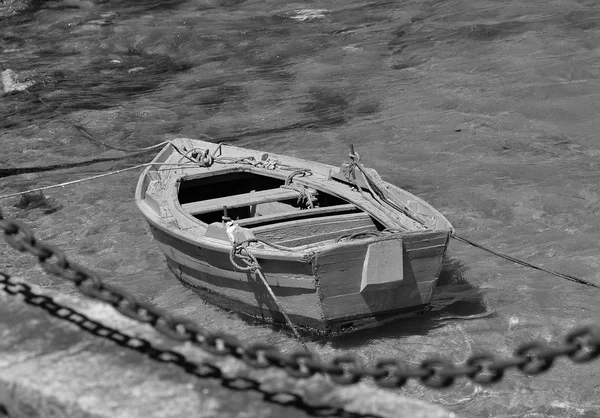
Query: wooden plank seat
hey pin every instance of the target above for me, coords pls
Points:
(240, 200)
(307, 213)
(299, 232)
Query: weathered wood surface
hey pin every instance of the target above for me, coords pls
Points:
(212, 271)
(413, 291)
(320, 179)
(363, 201)
(319, 284)
(339, 272)
(341, 177)
(414, 241)
(285, 273)
(309, 231)
(240, 200)
(382, 267)
(339, 269)
(306, 213)
(303, 308)
(331, 236)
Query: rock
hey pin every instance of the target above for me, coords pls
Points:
(32, 200)
(11, 81)
(9, 8)
(304, 15)
(37, 200)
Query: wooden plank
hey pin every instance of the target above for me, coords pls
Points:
(251, 293)
(341, 177)
(317, 225)
(281, 283)
(424, 239)
(165, 240)
(425, 252)
(426, 266)
(300, 229)
(307, 213)
(383, 265)
(236, 201)
(342, 191)
(415, 290)
(340, 257)
(371, 303)
(212, 177)
(270, 265)
(320, 180)
(339, 272)
(339, 269)
(312, 239)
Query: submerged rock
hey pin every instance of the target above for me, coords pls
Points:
(9, 8)
(11, 81)
(304, 15)
(37, 200)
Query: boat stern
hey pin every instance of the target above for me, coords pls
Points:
(366, 282)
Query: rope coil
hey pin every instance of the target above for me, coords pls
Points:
(307, 197)
(240, 251)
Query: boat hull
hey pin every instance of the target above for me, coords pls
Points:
(321, 294)
(348, 263)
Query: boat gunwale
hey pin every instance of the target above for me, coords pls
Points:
(300, 253)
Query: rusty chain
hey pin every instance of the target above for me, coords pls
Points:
(580, 345)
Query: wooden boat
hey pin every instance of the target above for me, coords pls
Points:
(340, 248)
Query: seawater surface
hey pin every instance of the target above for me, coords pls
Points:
(487, 109)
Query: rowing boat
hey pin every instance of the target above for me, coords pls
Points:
(265, 235)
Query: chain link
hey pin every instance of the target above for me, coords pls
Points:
(203, 370)
(580, 345)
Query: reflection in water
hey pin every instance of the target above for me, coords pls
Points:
(455, 297)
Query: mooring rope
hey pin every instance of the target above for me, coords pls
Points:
(104, 144)
(306, 197)
(383, 198)
(68, 183)
(298, 171)
(13, 171)
(254, 267)
(526, 263)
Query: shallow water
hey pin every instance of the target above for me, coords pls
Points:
(486, 109)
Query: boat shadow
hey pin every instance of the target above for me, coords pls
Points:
(454, 299)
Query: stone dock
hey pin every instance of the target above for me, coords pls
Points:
(50, 367)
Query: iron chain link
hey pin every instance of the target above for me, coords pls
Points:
(580, 345)
(203, 370)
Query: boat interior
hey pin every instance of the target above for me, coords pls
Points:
(273, 213)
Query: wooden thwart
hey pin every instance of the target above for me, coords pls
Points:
(307, 213)
(240, 200)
